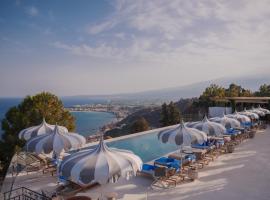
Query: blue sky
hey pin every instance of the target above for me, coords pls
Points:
(104, 47)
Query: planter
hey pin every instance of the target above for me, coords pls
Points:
(251, 134)
(233, 137)
(193, 174)
(230, 148)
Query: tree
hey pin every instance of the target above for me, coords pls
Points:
(213, 91)
(164, 115)
(238, 91)
(139, 125)
(174, 114)
(264, 91)
(30, 112)
(170, 114)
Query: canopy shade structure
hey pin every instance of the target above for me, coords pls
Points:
(182, 135)
(41, 129)
(266, 111)
(226, 122)
(55, 142)
(241, 118)
(260, 113)
(258, 100)
(210, 128)
(249, 114)
(100, 165)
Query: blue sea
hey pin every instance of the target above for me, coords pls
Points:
(87, 123)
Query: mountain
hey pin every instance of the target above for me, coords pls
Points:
(175, 93)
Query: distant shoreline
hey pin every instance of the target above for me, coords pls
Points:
(90, 134)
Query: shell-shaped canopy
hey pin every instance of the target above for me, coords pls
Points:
(241, 118)
(41, 129)
(226, 122)
(55, 142)
(251, 115)
(257, 111)
(182, 135)
(266, 111)
(210, 128)
(100, 165)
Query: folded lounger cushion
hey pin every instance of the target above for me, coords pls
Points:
(148, 169)
(232, 131)
(168, 162)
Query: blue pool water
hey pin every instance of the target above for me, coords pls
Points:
(147, 146)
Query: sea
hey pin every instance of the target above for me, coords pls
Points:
(87, 123)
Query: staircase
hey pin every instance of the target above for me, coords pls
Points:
(24, 194)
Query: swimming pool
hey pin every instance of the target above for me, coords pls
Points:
(145, 144)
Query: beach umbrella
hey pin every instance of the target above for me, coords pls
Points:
(257, 111)
(99, 165)
(55, 142)
(182, 136)
(266, 111)
(210, 128)
(226, 122)
(41, 129)
(241, 118)
(249, 114)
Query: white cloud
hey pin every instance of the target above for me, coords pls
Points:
(32, 11)
(95, 29)
(205, 34)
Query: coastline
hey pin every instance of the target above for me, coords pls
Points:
(102, 111)
(91, 135)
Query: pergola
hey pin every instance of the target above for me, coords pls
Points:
(243, 100)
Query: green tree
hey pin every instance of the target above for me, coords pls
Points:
(28, 113)
(237, 91)
(170, 114)
(139, 125)
(164, 115)
(233, 90)
(174, 114)
(206, 99)
(264, 91)
(213, 91)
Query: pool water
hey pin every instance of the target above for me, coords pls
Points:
(147, 146)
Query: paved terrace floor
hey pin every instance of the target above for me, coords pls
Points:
(242, 175)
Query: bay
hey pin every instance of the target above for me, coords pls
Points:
(87, 123)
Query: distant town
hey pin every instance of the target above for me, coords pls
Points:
(120, 112)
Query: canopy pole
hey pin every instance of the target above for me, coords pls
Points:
(181, 148)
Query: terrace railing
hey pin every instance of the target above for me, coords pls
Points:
(23, 193)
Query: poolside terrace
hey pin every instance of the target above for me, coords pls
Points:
(240, 175)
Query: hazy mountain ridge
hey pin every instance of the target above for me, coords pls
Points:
(187, 91)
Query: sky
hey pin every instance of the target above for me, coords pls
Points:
(117, 46)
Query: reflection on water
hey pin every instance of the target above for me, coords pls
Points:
(147, 146)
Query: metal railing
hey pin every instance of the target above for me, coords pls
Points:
(23, 193)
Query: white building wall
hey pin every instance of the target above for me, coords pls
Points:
(219, 111)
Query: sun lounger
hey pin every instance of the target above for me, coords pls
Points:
(232, 131)
(185, 158)
(199, 146)
(148, 169)
(168, 162)
(162, 176)
(51, 169)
